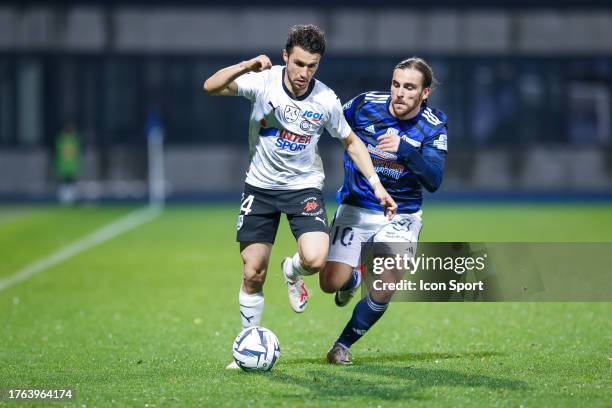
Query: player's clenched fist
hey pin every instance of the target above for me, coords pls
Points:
(259, 63)
(385, 200)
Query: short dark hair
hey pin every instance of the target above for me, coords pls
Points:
(429, 81)
(306, 36)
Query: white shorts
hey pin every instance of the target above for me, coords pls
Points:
(353, 226)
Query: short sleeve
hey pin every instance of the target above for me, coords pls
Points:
(349, 111)
(252, 84)
(336, 125)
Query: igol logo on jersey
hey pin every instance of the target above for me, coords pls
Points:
(292, 141)
(312, 121)
(313, 116)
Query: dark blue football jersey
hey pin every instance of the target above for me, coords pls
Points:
(419, 161)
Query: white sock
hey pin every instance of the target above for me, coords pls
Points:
(251, 308)
(297, 268)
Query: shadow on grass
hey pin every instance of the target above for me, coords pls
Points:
(371, 378)
(376, 357)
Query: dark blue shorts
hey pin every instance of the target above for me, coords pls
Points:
(260, 211)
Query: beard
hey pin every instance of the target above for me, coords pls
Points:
(406, 106)
(402, 108)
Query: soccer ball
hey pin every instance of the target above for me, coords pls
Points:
(256, 349)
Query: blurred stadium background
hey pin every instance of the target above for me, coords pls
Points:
(148, 318)
(527, 86)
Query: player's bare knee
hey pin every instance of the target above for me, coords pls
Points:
(255, 266)
(254, 273)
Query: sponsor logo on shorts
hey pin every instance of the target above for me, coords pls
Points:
(240, 222)
(311, 207)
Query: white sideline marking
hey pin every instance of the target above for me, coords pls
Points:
(107, 232)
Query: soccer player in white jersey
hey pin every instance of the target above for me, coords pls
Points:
(290, 110)
(408, 143)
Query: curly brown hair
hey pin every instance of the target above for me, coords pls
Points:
(306, 36)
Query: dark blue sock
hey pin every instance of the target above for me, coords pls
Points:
(365, 314)
(352, 282)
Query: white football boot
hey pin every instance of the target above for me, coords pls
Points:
(298, 294)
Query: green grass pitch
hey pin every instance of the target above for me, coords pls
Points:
(148, 319)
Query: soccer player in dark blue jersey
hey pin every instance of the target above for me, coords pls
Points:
(407, 141)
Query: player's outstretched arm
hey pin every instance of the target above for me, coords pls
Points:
(222, 82)
(360, 156)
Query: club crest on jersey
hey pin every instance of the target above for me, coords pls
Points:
(392, 131)
(291, 113)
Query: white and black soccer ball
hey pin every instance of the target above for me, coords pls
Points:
(256, 349)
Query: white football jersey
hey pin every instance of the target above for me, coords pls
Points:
(284, 130)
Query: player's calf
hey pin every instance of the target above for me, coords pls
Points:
(255, 259)
(334, 276)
